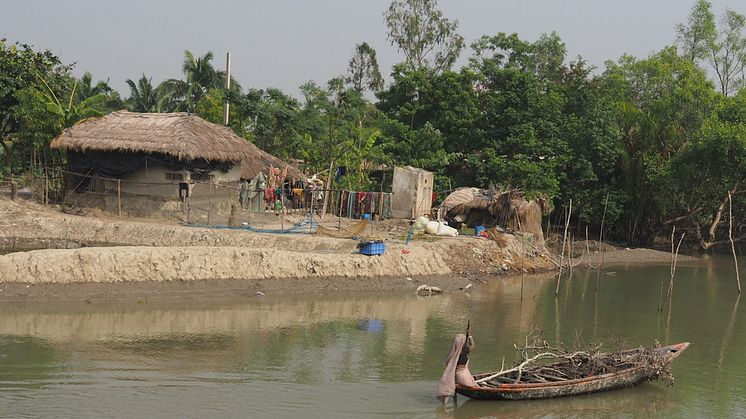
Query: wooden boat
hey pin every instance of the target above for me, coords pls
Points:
(592, 384)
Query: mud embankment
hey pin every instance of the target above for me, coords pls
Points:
(160, 252)
(196, 263)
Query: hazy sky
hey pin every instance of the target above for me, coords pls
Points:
(284, 43)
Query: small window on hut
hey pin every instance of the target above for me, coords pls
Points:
(202, 177)
(174, 176)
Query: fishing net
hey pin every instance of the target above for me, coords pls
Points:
(348, 232)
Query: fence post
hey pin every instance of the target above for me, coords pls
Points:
(13, 190)
(46, 187)
(119, 196)
(209, 206)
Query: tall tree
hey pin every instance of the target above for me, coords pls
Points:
(363, 72)
(699, 35)
(728, 55)
(419, 30)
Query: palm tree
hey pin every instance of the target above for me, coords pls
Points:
(146, 98)
(201, 76)
(87, 89)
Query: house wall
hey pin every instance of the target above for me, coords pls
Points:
(412, 190)
(148, 192)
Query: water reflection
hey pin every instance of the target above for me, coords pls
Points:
(369, 355)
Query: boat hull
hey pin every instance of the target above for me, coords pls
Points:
(605, 382)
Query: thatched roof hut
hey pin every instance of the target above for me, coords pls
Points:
(492, 207)
(180, 135)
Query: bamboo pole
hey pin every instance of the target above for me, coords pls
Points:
(730, 237)
(227, 87)
(588, 247)
(570, 250)
(209, 206)
(564, 241)
(600, 246)
(674, 259)
(119, 196)
(523, 263)
(46, 186)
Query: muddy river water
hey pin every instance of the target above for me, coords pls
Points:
(370, 355)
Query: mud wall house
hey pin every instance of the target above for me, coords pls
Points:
(143, 162)
(412, 192)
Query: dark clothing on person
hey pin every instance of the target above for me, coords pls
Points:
(463, 357)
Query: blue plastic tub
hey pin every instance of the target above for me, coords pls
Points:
(372, 249)
(478, 229)
(365, 216)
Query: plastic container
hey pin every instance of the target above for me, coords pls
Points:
(432, 227)
(445, 230)
(420, 223)
(478, 230)
(372, 249)
(365, 216)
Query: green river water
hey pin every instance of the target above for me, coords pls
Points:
(370, 355)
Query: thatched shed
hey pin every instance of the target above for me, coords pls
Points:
(495, 208)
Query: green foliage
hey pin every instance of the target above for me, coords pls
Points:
(662, 102)
(714, 162)
(20, 70)
(69, 111)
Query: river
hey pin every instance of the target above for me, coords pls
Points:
(370, 355)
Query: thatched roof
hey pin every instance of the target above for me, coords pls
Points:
(456, 198)
(181, 135)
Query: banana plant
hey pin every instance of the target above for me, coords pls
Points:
(71, 111)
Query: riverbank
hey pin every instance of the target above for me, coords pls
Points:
(93, 256)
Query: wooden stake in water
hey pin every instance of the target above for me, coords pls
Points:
(523, 263)
(564, 242)
(730, 236)
(674, 259)
(601, 248)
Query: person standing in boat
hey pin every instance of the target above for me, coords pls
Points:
(457, 367)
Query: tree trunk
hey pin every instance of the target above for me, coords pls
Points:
(8, 157)
(328, 186)
(717, 216)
